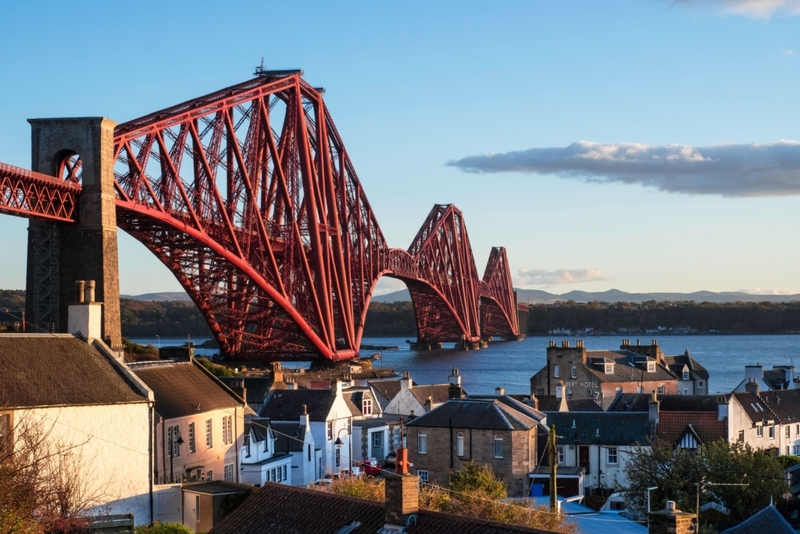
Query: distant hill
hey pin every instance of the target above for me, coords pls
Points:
(159, 296)
(537, 296)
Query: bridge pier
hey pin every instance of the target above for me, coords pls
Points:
(61, 253)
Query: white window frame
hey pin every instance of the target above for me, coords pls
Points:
(759, 430)
(174, 432)
(460, 444)
(613, 456)
(423, 476)
(661, 390)
(192, 442)
(498, 446)
(560, 454)
(227, 429)
(329, 428)
(573, 372)
(377, 440)
(366, 406)
(228, 473)
(557, 371)
(209, 434)
(422, 443)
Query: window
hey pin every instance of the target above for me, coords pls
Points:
(612, 455)
(700, 383)
(247, 445)
(741, 436)
(377, 440)
(759, 430)
(685, 374)
(661, 390)
(197, 507)
(569, 394)
(560, 452)
(685, 391)
(557, 371)
(228, 473)
(227, 430)
(192, 445)
(284, 472)
(796, 450)
(366, 407)
(309, 452)
(788, 432)
(271, 475)
(423, 476)
(173, 434)
(209, 475)
(573, 372)
(609, 368)
(209, 442)
(498, 446)
(338, 456)
(540, 391)
(771, 431)
(460, 444)
(422, 443)
(330, 430)
(651, 367)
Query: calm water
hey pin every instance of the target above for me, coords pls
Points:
(511, 364)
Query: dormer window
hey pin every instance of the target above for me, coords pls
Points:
(685, 373)
(651, 367)
(609, 368)
(366, 406)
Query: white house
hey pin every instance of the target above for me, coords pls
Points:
(765, 419)
(199, 423)
(94, 413)
(329, 415)
(403, 397)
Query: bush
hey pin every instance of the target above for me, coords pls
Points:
(163, 528)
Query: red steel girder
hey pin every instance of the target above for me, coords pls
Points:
(34, 195)
(498, 305)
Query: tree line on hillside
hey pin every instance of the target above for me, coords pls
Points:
(753, 317)
(390, 320)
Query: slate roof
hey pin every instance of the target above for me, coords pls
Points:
(485, 414)
(289, 437)
(389, 389)
(292, 510)
(676, 363)
(630, 402)
(601, 428)
(184, 388)
(257, 387)
(550, 403)
(624, 368)
(780, 406)
(258, 425)
(287, 404)
(640, 402)
(354, 398)
(60, 370)
(514, 404)
(767, 521)
(217, 487)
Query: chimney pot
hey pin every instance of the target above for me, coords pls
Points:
(671, 506)
(79, 290)
(499, 391)
(90, 285)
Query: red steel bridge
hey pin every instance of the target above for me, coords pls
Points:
(250, 199)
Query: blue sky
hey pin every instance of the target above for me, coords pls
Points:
(481, 104)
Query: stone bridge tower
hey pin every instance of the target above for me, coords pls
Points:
(61, 253)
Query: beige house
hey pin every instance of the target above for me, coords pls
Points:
(199, 425)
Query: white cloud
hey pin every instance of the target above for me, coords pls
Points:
(788, 52)
(540, 277)
(760, 291)
(731, 170)
(754, 9)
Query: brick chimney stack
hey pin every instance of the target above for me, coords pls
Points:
(401, 493)
(670, 521)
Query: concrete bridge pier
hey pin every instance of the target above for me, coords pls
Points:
(61, 253)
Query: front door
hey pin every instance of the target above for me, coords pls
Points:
(377, 446)
(583, 456)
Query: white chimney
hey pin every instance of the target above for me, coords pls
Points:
(454, 378)
(405, 382)
(85, 317)
(499, 391)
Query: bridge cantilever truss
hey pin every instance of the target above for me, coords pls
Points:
(249, 197)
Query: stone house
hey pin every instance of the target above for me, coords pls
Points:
(93, 410)
(330, 418)
(199, 423)
(494, 430)
(601, 375)
(404, 397)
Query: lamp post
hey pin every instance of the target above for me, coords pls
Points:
(339, 444)
(174, 435)
(159, 340)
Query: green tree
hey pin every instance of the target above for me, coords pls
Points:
(477, 478)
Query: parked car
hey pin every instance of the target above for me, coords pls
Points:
(370, 467)
(391, 458)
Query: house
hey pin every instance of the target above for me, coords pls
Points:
(600, 375)
(203, 502)
(13, 321)
(494, 430)
(279, 452)
(329, 415)
(199, 422)
(601, 443)
(684, 421)
(765, 419)
(276, 508)
(404, 397)
(779, 377)
(768, 520)
(93, 412)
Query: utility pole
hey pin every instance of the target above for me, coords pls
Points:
(551, 446)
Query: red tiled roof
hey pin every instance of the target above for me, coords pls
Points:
(672, 425)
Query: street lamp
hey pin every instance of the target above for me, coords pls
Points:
(159, 340)
(339, 444)
(175, 435)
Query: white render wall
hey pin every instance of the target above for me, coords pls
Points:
(110, 444)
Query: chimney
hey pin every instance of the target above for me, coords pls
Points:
(237, 386)
(406, 382)
(455, 392)
(499, 391)
(454, 377)
(653, 413)
(752, 386)
(670, 521)
(428, 404)
(535, 402)
(291, 384)
(277, 372)
(401, 494)
(85, 318)
(336, 388)
(304, 417)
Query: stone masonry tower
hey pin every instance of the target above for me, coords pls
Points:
(59, 254)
